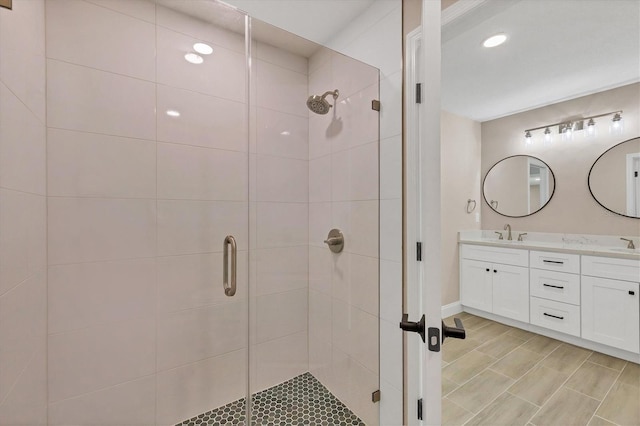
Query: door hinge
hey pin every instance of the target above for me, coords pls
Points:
(419, 252)
(375, 396)
(418, 93)
(375, 105)
(420, 409)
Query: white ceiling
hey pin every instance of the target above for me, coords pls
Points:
(556, 50)
(315, 20)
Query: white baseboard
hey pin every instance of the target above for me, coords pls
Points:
(451, 309)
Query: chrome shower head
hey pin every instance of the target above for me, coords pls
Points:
(319, 104)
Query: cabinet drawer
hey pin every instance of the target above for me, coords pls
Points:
(558, 286)
(556, 316)
(501, 255)
(609, 267)
(561, 262)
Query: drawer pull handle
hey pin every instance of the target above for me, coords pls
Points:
(553, 316)
(553, 286)
(631, 292)
(487, 269)
(557, 262)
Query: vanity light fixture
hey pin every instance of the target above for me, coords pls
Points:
(194, 58)
(591, 128)
(616, 124)
(203, 48)
(567, 129)
(495, 40)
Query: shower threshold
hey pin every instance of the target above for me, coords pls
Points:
(302, 400)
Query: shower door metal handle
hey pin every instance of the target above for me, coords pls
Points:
(229, 288)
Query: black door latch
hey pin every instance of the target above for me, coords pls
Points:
(416, 327)
(456, 332)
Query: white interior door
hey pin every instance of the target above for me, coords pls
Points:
(422, 159)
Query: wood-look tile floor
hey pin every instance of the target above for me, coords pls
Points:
(500, 375)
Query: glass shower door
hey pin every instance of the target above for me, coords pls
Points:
(203, 212)
(314, 171)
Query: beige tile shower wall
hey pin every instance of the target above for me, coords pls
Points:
(23, 280)
(140, 331)
(280, 204)
(375, 38)
(343, 194)
(460, 162)
(572, 209)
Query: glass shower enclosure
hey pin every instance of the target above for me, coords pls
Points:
(197, 161)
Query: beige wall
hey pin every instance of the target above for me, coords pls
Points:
(572, 209)
(460, 163)
(608, 178)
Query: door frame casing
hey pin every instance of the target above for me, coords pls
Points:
(423, 372)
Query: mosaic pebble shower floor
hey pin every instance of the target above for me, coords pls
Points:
(302, 400)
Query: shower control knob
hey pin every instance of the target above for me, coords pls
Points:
(335, 240)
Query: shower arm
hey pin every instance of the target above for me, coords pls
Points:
(334, 93)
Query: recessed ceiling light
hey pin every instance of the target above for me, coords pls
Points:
(203, 48)
(193, 58)
(173, 113)
(495, 40)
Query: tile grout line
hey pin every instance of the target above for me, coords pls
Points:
(514, 380)
(506, 391)
(559, 387)
(483, 370)
(607, 394)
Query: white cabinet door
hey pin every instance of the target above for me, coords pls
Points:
(611, 312)
(476, 284)
(511, 292)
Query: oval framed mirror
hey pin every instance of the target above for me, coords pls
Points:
(614, 180)
(518, 186)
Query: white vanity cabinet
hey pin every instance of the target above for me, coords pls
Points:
(611, 302)
(495, 280)
(586, 297)
(555, 291)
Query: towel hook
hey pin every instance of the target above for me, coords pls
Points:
(469, 203)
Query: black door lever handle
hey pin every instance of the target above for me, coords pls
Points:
(457, 332)
(416, 327)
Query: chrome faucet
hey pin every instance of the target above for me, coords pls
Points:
(507, 227)
(630, 245)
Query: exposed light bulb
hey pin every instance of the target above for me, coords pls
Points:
(285, 133)
(591, 128)
(193, 58)
(616, 126)
(203, 48)
(173, 113)
(547, 136)
(527, 138)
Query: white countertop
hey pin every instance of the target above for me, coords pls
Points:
(595, 245)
